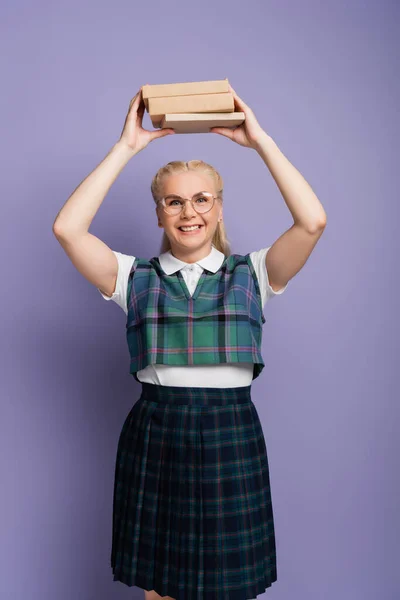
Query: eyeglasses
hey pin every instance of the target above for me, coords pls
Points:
(201, 202)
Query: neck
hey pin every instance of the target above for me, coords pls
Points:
(191, 256)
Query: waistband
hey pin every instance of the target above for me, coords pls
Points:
(195, 395)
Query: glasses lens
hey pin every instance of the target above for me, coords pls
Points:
(202, 203)
(173, 205)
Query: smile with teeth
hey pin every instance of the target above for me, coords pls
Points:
(190, 228)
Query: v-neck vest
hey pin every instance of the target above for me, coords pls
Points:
(220, 323)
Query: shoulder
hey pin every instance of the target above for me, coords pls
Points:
(125, 263)
(258, 259)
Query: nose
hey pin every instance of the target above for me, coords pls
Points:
(186, 211)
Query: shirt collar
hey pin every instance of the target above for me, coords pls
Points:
(170, 264)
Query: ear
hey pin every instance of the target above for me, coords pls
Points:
(158, 217)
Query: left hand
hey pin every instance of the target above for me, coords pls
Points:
(249, 133)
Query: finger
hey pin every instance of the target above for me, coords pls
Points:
(239, 101)
(138, 105)
(233, 91)
(133, 104)
(223, 131)
(137, 95)
(139, 115)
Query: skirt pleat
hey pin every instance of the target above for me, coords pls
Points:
(192, 510)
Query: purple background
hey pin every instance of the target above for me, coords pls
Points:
(322, 79)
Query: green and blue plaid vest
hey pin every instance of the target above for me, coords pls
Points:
(221, 323)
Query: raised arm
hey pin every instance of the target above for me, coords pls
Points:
(92, 257)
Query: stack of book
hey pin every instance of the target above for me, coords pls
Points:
(191, 107)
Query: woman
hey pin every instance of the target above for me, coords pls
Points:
(192, 511)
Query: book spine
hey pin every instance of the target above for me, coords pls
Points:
(185, 89)
(192, 104)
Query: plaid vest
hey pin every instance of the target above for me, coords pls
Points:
(221, 323)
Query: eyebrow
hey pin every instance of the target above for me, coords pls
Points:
(196, 194)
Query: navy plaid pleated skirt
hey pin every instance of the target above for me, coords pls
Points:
(192, 512)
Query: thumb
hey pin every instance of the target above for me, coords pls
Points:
(162, 133)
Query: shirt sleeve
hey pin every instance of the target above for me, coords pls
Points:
(258, 260)
(125, 262)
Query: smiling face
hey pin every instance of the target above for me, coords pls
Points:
(189, 247)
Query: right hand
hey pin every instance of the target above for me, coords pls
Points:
(133, 135)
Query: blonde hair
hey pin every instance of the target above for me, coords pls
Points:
(219, 240)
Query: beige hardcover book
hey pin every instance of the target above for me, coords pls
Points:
(189, 88)
(201, 122)
(203, 103)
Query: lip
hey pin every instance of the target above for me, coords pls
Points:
(191, 232)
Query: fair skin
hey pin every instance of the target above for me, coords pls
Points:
(98, 264)
(193, 247)
(92, 257)
(289, 253)
(152, 595)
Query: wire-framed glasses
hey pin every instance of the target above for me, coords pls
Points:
(202, 202)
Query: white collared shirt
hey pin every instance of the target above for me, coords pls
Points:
(218, 375)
